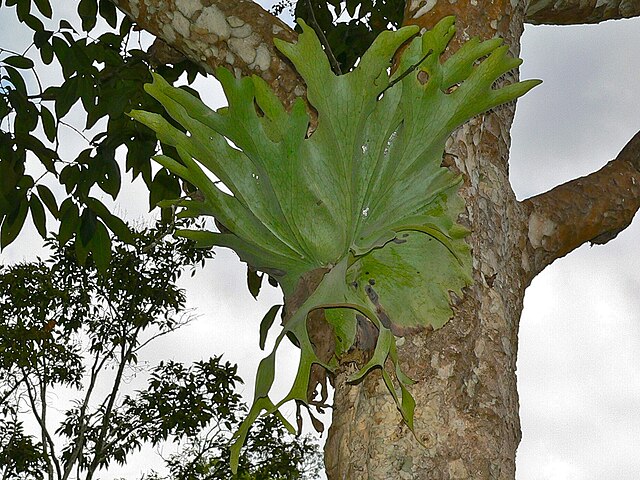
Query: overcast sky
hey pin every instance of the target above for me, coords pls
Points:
(579, 350)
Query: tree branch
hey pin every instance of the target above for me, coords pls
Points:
(572, 12)
(335, 65)
(51, 459)
(591, 209)
(236, 34)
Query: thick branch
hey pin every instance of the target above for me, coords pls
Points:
(592, 209)
(236, 34)
(572, 12)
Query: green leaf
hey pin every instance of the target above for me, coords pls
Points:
(344, 324)
(115, 224)
(201, 238)
(48, 123)
(69, 219)
(45, 7)
(408, 283)
(87, 227)
(18, 61)
(266, 324)
(69, 177)
(46, 53)
(108, 12)
(49, 199)
(363, 202)
(63, 53)
(254, 281)
(100, 247)
(266, 373)
(23, 9)
(26, 116)
(38, 216)
(163, 187)
(13, 223)
(65, 25)
(88, 12)
(407, 404)
(15, 77)
(4, 108)
(34, 23)
(110, 181)
(81, 250)
(240, 435)
(67, 95)
(41, 38)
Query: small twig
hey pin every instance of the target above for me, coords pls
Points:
(162, 333)
(407, 72)
(335, 65)
(68, 125)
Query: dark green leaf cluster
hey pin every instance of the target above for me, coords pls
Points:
(105, 76)
(20, 456)
(271, 454)
(178, 403)
(182, 402)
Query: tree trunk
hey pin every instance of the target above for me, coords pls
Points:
(466, 419)
(467, 403)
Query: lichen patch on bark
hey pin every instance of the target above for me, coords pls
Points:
(237, 35)
(539, 228)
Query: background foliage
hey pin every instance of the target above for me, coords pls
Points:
(103, 75)
(66, 329)
(349, 27)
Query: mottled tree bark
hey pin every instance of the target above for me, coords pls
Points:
(467, 403)
(236, 34)
(591, 209)
(466, 418)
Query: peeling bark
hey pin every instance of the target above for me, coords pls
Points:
(592, 209)
(235, 34)
(573, 12)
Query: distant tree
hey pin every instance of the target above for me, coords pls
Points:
(67, 328)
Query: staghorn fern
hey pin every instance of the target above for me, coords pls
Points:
(364, 198)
